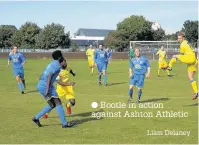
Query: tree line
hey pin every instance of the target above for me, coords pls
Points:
(30, 35)
(133, 28)
(137, 28)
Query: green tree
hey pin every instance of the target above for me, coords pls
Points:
(40, 40)
(53, 36)
(6, 32)
(133, 28)
(25, 37)
(17, 38)
(74, 47)
(158, 35)
(190, 28)
(171, 37)
(110, 39)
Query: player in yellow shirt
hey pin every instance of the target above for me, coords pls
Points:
(187, 56)
(65, 88)
(162, 64)
(90, 53)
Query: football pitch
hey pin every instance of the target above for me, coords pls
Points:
(174, 93)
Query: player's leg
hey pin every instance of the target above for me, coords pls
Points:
(90, 63)
(140, 85)
(18, 76)
(60, 93)
(46, 109)
(168, 73)
(92, 67)
(99, 67)
(69, 95)
(130, 93)
(159, 68)
(187, 59)
(22, 78)
(191, 72)
(133, 81)
(165, 66)
(24, 82)
(53, 102)
(70, 104)
(60, 111)
(139, 94)
(58, 107)
(104, 74)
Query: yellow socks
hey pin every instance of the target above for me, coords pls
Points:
(92, 70)
(158, 71)
(172, 61)
(168, 73)
(68, 104)
(194, 86)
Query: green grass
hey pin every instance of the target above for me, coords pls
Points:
(17, 110)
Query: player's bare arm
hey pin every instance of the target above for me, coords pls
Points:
(130, 72)
(68, 83)
(23, 63)
(8, 62)
(148, 72)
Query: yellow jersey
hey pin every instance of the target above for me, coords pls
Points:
(162, 55)
(90, 53)
(63, 76)
(186, 49)
(66, 91)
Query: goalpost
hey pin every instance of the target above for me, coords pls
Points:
(150, 48)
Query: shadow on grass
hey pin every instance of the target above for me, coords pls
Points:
(115, 72)
(51, 125)
(196, 104)
(84, 114)
(78, 122)
(33, 91)
(155, 100)
(81, 121)
(119, 83)
(172, 75)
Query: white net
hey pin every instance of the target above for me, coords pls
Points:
(149, 48)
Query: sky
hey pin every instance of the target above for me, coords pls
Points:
(97, 14)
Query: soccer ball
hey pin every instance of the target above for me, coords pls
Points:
(155, 26)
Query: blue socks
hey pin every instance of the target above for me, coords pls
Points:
(100, 78)
(105, 79)
(139, 94)
(131, 93)
(61, 114)
(21, 86)
(45, 110)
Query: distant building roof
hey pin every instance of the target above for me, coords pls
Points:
(93, 32)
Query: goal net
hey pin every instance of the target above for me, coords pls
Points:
(150, 48)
